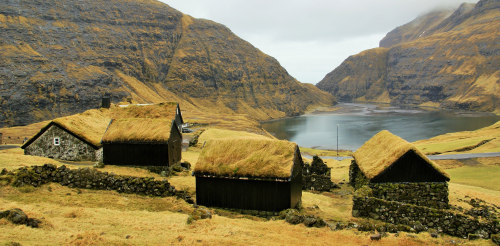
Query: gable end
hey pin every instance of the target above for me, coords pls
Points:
(410, 167)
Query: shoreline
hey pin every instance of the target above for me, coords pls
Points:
(376, 110)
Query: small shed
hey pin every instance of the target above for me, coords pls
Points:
(396, 170)
(142, 142)
(72, 138)
(250, 174)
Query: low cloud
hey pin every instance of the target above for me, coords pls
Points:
(307, 37)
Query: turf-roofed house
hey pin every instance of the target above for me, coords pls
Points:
(249, 174)
(396, 170)
(73, 138)
(142, 142)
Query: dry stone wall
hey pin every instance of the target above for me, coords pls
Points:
(429, 194)
(422, 218)
(317, 176)
(89, 178)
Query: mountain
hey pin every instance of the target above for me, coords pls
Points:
(441, 59)
(58, 57)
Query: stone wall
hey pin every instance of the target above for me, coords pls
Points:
(422, 218)
(89, 178)
(356, 178)
(70, 147)
(430, 194)
(99, 155)
(317, 176)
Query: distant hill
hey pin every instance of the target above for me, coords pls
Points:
(448, 59)
(58, 57)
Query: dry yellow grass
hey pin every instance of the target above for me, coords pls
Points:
(332, 206)
(14, 158)
(216, 133)
(323, 152)
(247, 157)
(463, 142)
(138, 130)
(86, 126)
(382, 150)
(86, 217)
(165, 110)
(109, 218)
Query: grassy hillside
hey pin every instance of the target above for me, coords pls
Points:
(483, 140)
(60, 56)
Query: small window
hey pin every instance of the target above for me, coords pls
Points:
(57, 141)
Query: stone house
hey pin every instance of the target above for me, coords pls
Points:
(249, 174)
(142, 142)
(72, 138)
(396, 170)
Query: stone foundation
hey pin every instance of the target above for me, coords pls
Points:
(422, 218)
(429, 194)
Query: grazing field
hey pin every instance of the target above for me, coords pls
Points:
(481, 176)
(483, 140)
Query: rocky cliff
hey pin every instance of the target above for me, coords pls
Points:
(59, 57)
(441, 59)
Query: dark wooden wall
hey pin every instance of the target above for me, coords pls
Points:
(135, 154)
(296, 180)
(174, 145)
(410, 168)
(243, 194)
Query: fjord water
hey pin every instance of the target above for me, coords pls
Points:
(359, 122)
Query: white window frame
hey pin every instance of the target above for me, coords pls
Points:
(57, 141)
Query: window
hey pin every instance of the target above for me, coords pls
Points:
(57, 141)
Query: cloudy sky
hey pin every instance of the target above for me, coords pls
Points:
(311, 37)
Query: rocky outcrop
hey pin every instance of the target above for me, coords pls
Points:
(434, 61)
(17, 216)
(60, 57)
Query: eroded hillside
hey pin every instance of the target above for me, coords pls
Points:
(439, 60)
(58, 57)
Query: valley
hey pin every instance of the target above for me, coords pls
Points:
(433, 81)
(81, 216)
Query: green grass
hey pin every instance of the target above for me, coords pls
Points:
(481, 176)
(321, 152)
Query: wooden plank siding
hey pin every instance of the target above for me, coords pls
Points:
(251, 193)
(165, 153)
(410, 168)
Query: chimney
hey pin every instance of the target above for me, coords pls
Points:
(106, 101)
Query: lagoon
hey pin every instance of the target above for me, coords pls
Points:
(359, 122)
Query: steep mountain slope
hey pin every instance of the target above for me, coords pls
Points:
(447, 62)
(58, 57)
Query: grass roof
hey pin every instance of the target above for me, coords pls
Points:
(247, 158)
(138, 130)
(165, 110)
(382, 150)
(89, 126)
